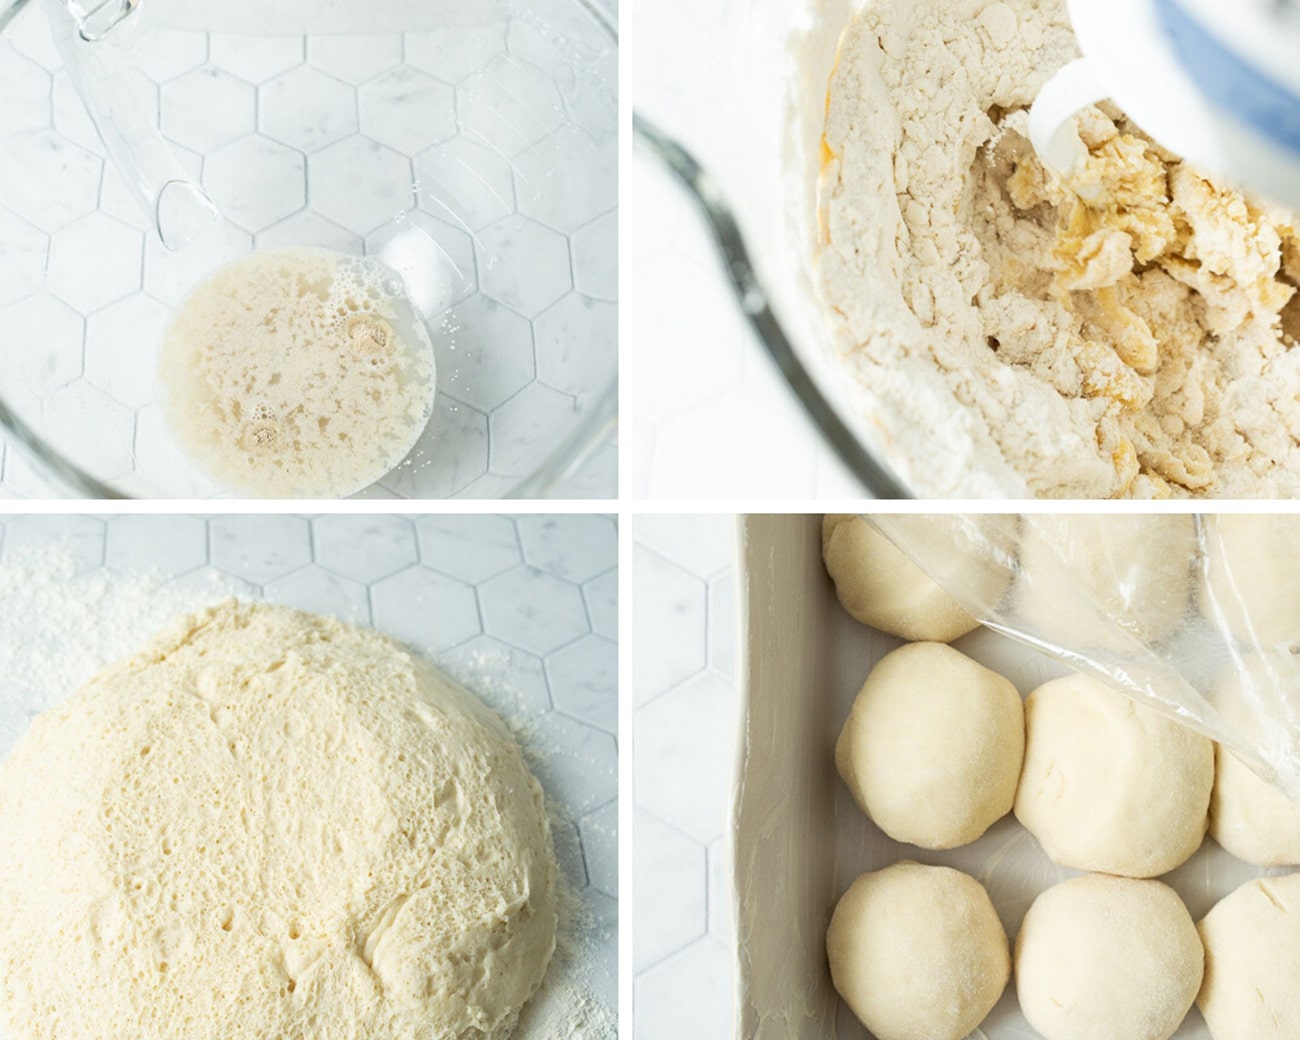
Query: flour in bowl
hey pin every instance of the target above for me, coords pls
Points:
(1122, 333)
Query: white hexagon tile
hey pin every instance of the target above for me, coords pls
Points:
(522, 609)
(479, 161)
(684, 672)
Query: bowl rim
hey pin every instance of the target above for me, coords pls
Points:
(874, 473)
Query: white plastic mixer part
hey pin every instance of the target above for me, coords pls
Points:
(1051, 120)
(1214, 83)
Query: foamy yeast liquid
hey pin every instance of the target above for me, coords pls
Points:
(297, 373)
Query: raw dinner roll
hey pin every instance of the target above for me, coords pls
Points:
(918, 952)
(268, 824)
(1252, 577)
(1109, 784)
(880, 586)
(1088, 580)
(1107, 958)
(933, 746)
(1250, 817)
(1252, 962)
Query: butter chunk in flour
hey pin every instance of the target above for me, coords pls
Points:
(1125, 331)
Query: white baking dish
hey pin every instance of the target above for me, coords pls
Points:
(798, 839)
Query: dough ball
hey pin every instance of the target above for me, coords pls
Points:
(271, 824)
(1110, 957)
(1109, 784)
(918, 952)
(1252, 577)
(879, 585)
(1136, 570)
(1250, 817)
(933, 746)
(1252, 962)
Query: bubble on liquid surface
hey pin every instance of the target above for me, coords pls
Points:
(297, 373)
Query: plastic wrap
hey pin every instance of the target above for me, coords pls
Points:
(1195, 616)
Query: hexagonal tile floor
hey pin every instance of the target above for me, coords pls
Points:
(521, 609)
(480, 162)
(685, 718)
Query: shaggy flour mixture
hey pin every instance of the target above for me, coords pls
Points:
(265, 824)
(1127, 332)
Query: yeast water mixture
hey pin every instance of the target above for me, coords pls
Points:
(297, 373)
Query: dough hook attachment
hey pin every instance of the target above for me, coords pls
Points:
(91, 41)
(1214, 83)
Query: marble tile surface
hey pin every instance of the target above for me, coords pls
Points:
(685, 628)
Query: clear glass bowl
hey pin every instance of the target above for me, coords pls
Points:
(752, 158)
(482, 149)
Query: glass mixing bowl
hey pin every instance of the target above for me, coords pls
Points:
(752, 158)
(472, 147)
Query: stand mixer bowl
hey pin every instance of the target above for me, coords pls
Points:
(473, 150)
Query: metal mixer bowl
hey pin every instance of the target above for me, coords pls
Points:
(484, 155)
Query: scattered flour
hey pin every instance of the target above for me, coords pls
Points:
(1125, 334)
(577, 1001)
(60, 626)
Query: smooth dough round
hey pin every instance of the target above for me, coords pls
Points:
(1251, 579)
(1109, 784)
(1102, 956)
(269, 823)
(879, 585)
(918, 952)
(1252, 962)
(1249, 817)
(1133, 576)
(933, 746)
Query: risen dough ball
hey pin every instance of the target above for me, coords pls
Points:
(1109, 784)
(1108, 957)
(1133, 569)
(1252, 962)
(933, 746)
(880, 586)
(1250, 817)
(918, 952)
(1252, 577)
(270, 824)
